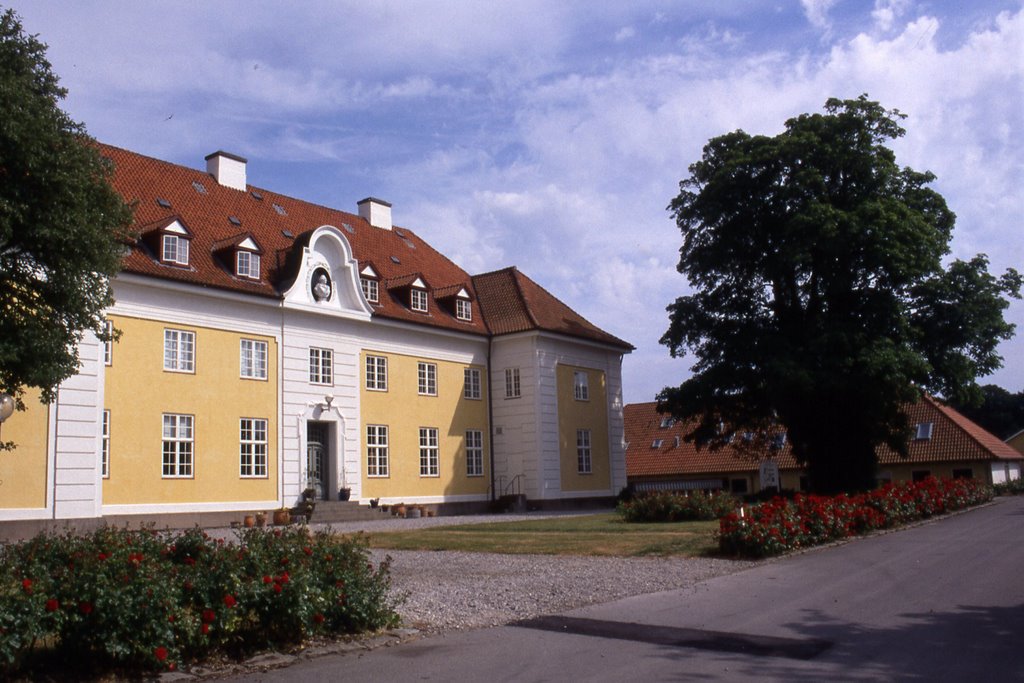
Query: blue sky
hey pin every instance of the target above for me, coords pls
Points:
(551, 135)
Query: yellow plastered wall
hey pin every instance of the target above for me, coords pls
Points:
(590, 414)
(980, 469)
(404, 411)
(23, 470)
(139, 392)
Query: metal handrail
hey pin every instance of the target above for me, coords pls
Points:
(516, 483)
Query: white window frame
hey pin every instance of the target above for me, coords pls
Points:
(179, 350)
(584, 454)
(471, 384)
(429, 466)
(247, 264)
(464, 309)
(580, 385)
(426, 378)
(513, 385)
(377, 460)
(108, 346)
(174, 249)
(252, 359)
(105, 446)
(321, 366)
(252, 448)
(418, 299)
(474, 453)
(178, 446)
(371, 289)
(376, 373)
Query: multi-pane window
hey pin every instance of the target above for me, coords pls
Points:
(370, 289)
(581, 390)
(427, 376)
(512, 383)
(253, 359)
(418, 300)
(583, 462)
(108, 346)
(175, 250)
(247, 264)
(377, 373)
(178, 445)
(376, 450)
(179, 351)
(471, 385)
(105, 446)
(474, 453)
(321, 366)
(252, 447)
(428, 452)
(463, 309)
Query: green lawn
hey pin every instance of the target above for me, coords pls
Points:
(601, 534)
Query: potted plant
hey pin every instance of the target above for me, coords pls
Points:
(344, 493)
(282, 516)
(374, 502)
(261, 518)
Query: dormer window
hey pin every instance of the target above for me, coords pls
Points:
(175, 250)
(371, 289)
(464, 309)
(923, 431)
(247, 264)
(418, 300)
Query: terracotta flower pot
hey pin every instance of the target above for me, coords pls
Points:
(282, 517)
(249, 521)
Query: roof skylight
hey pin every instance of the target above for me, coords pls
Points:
(198, 187)
(163, 202)
(234, 220)
(256, 195)
(280, 209)
(348, 228)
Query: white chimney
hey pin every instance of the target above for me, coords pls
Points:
(376, 211)
(227, 169)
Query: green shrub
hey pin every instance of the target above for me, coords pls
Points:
(140, 600)
(662, 506)
(1014, 487)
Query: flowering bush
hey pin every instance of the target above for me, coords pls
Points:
(663, 506)
(781, 525)
(141, 600)
(1014, 487)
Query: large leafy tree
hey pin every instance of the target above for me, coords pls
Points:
(62, 227)
(1000, 411)
(820, 301)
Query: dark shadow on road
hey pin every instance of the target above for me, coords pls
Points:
(971, 643)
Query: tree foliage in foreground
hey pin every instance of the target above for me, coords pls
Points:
(820, 301)
(62, 227)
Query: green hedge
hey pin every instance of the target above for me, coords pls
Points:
(662, 506)
(132, 601)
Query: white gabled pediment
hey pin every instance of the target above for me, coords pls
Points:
(249, 244)
(418, 282)
(368, 271)
(328, 278)
(463, 294)
(176, 227)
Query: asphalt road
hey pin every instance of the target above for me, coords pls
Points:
(943, 601)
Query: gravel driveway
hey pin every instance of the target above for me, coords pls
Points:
(459, 590)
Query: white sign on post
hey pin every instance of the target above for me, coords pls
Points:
(769, 472)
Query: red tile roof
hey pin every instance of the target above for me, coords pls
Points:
(512, 302)
(954, 438)
(217, 216)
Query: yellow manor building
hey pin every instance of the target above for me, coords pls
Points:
(269, 346)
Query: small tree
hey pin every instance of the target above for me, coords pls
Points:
(62, 226)
(820, 299)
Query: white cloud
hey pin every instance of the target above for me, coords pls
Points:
(625, 33)
(817, 13)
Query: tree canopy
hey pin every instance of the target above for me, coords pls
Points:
(62, 227)
(999, 412)
(820, 301)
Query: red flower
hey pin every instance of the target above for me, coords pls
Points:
(26, 585)
(307, 550)
(209, 615)
(284, 578)
(52, 605)
(102, 556)
(205, 629)
(160, 653)
(170, 618)
(267, 579)
(190, 562)
(277, 588)
(85, 607)
(318, 618)
(229, 600)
